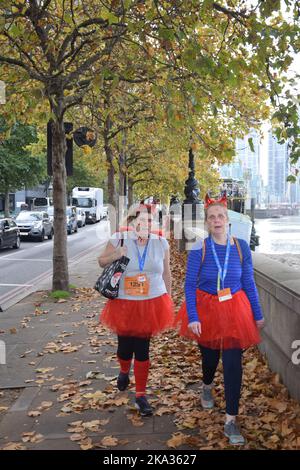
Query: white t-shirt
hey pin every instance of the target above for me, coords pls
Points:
(154, 263)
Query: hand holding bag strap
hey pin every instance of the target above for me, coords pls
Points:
(122, 239)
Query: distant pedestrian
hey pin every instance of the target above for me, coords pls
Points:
(222, 310)
(144, 307)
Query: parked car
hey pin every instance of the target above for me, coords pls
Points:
(81, 217)
(72, 218)
(33, 224)
(72, 225)
(9, 233)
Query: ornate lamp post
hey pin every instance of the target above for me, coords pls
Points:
(191, 190)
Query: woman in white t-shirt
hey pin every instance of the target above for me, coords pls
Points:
(144, 307)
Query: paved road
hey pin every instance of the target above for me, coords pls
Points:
(23, 269)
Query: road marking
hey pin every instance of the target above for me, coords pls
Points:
(42, 277)
(49, 242)
(28, 259)
(13, 292)
(19, 285)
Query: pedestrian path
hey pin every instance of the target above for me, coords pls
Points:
(58, 388)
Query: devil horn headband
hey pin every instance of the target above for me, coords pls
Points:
(208, 201)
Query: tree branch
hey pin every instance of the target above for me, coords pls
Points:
(34, 13)
(76, 31)
(21, 51)
(233, 14)
(32, 74)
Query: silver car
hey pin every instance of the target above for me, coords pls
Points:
(35, 225)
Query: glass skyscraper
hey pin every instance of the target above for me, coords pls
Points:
(246, 165)
(278, 164)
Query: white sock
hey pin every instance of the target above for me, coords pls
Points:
(229, 418)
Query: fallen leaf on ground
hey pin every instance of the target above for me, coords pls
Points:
(66, 409)
(45, 370)
(94, 375)
(121, 401)
(279, 406)
(32, 437)
(176, 440)
(45, 405)
(109, 441)
(136, 420)
(76, 423)
(77, 437)
(86, 444)
(91, 425)
(13, 446)
(33, 414)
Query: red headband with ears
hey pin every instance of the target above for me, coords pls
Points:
(208, 201)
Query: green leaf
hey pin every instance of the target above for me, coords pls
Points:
(166, 33)
(267, 7)
(110, 17)
(251, 145)
(291, 179)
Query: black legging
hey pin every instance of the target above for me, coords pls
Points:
(232, 370)
(130, 345)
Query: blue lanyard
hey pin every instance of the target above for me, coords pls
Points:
(221, 273)
(142, 258)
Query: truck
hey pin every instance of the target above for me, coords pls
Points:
(91, 201)
(34, 204)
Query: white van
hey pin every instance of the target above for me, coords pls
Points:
(91, 201)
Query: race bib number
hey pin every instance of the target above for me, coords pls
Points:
(138, 285)
(224, 294)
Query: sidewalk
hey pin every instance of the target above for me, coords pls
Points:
(51, 347)
(58, 389)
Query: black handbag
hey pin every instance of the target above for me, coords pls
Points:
(108, 282)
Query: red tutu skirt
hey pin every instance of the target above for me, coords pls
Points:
(224, 325)
(140, 318)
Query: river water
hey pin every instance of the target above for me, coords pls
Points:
(280, 239)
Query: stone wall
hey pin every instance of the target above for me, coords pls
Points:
(279, 292)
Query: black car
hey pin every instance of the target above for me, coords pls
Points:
(9, 234)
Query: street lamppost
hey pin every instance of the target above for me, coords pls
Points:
(191, 191)
(191, 208)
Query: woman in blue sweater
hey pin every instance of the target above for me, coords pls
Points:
(222, 310)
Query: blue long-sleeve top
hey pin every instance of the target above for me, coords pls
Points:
(239, 276)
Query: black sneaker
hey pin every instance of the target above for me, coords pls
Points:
(143, 406)
(123, 381)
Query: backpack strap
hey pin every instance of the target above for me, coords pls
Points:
(202, 259)
(203, 251)
(238, 246)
